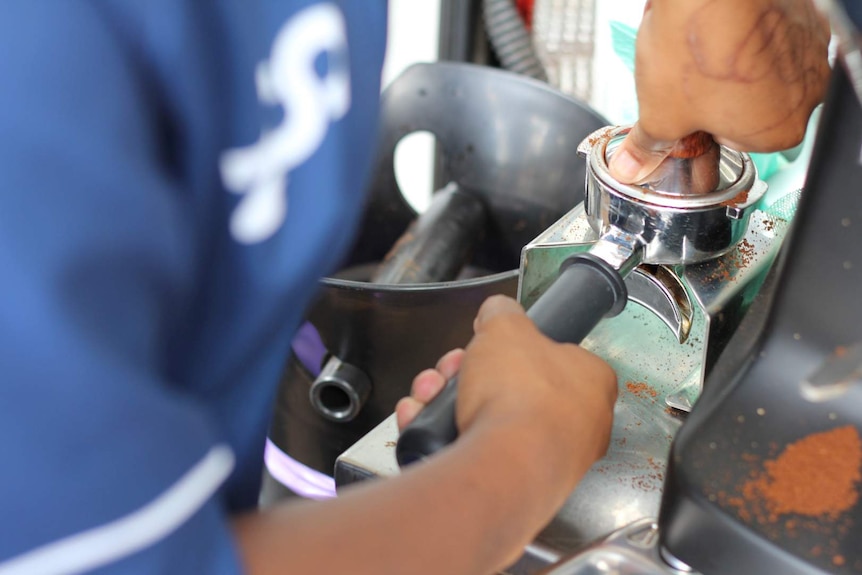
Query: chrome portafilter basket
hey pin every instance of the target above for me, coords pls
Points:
(692, 209)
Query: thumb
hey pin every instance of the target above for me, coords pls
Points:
(638, 156)
(495, 306)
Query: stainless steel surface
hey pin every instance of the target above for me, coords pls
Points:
(626, 484)
(674, 226)
(701, 304)
(661, 291)
(633, 550)
(619, 249)
(374, 453)
(340, 391)
(541, 260)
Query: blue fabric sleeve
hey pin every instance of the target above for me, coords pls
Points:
(95, 255)
(854, 10)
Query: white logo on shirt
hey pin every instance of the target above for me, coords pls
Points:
(310, 104)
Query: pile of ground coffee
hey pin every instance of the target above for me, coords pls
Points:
(815, 476)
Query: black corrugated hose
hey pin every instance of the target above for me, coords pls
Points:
(511, 39)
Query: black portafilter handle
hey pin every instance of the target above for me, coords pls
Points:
(587, 290)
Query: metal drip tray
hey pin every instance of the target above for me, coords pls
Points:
(633, 550)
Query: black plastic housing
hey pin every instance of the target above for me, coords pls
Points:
(753, 405)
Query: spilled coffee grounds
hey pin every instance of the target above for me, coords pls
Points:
(816, 477)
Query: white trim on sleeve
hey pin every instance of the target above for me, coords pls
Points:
(112, 541)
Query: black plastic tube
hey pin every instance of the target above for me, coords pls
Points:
(439, 243)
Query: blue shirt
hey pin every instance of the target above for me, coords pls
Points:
(174, 177)
(854, 10)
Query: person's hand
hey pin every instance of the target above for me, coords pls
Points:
(426, 386)
(512, 375)
(749, 72)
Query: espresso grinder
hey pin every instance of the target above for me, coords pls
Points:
(672, 266)
(697, 208)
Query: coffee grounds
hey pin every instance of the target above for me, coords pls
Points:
(813, 477)
(641, 389)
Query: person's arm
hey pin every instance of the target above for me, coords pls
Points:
(533, 414)
(749, 72)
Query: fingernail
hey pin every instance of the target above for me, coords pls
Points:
(625, 167)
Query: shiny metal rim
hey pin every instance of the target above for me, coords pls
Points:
(737, 192)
